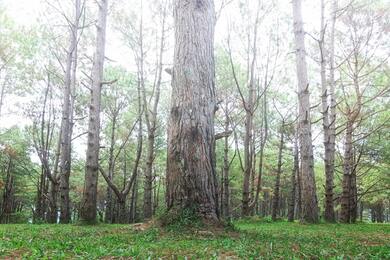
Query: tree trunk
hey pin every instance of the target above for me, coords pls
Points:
(151, 123)
(226, 167)
(263, 138)
(40, 200)
(52, 218)
(133, 202)
(2, 93)
(248, 141)
(191, 176)
(89, 201)
(122, 216)
(345, 214)
(111, 167)
(65, 155)
(329, 113)
(353, 198)
(294, 183)
(8, 194)
(309, 198)
(276, 197)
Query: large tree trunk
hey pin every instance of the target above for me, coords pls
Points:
(191, 176)
(88, 213)
(309, 198)
(276, 197)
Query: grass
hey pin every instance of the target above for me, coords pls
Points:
(253, 239)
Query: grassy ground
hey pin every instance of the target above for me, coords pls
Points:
(251, 240)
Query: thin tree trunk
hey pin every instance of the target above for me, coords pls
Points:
(264, 138)
(294, 183)
(151, 123)
(353, 198)
(226, 196)
(89, 201)
(329, 113)
(2, 93)
(345, 214)
(65, 155)
(309, 198)
(111, 167)
(276, 197)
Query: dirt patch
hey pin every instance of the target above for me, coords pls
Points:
(229, 255)
(372, 243)
(143, 226)
(17, 254)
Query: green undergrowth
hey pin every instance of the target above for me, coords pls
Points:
(251, 239)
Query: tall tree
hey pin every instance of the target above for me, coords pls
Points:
(65, 154)
(151, 117)
(359, 88)
(42, 135)
(276, 197)
(88, 205)
(249, 104)
(191, 176)
(328, 104)
(294, 181)
(309, 196)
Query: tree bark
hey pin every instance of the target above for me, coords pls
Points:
(111, 166)
(309, 198)
(226, 168)
(89, 201)
(328, 112)
(294, 183)
(191, 176)
(8, 194)
(276, 197)
(65, 155)
(263, 142)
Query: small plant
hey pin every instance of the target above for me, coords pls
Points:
(178, 220)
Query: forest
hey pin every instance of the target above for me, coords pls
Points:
(202, 129)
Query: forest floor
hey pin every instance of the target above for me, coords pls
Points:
(250, 239)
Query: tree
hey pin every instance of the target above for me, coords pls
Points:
(328, 106)
(88, 212)
(42, 135)
(294, 181)
(359, 88)
(151, 118)
(309, 198)
(191, 176)
(66, 136)
(276, 197)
